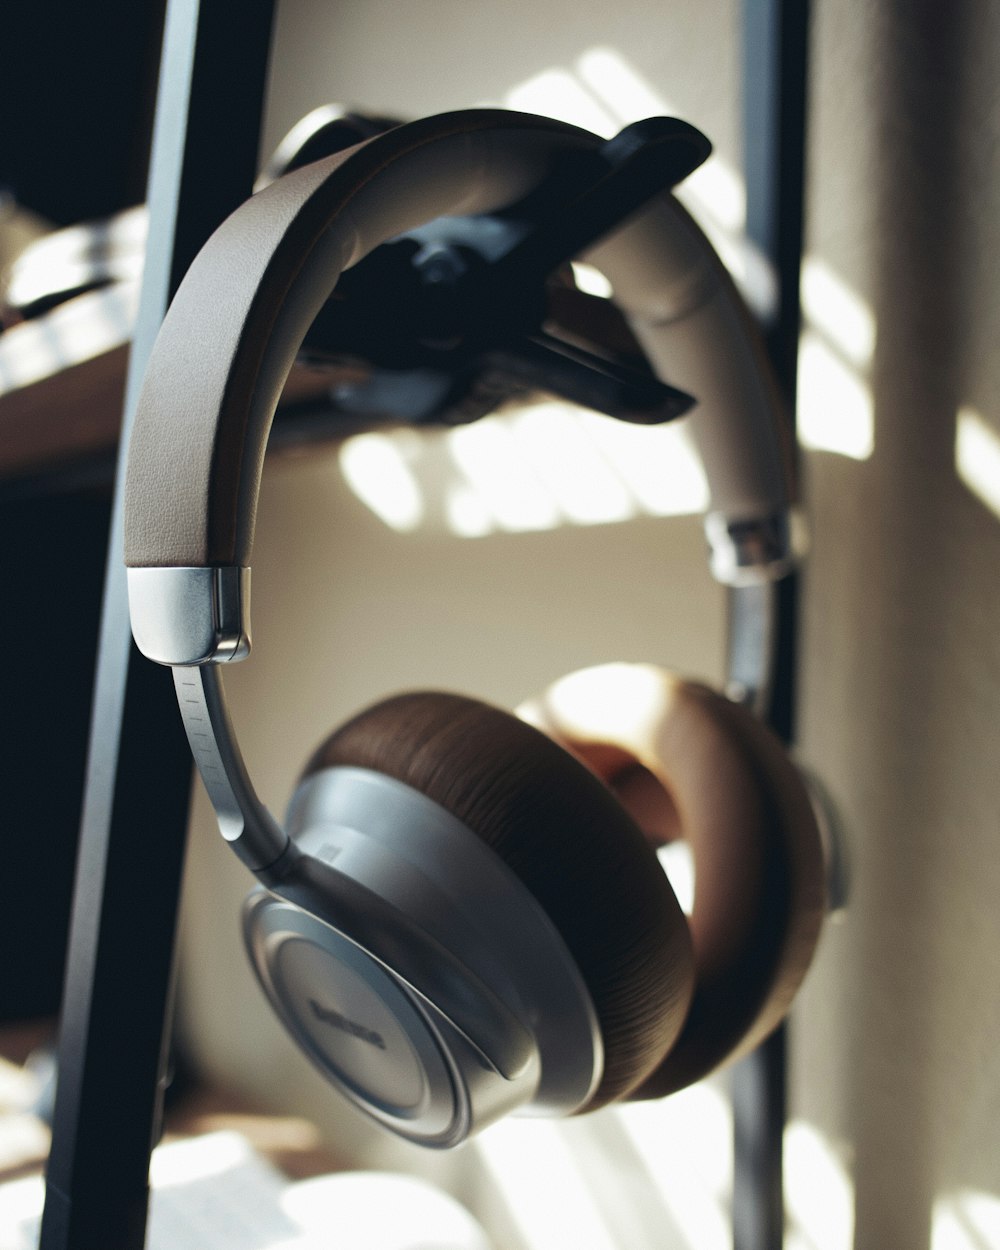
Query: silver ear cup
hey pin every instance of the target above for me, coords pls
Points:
(391, 1055)
(390, 1051)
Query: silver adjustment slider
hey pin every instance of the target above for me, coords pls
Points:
(190, 616)
(746, 551)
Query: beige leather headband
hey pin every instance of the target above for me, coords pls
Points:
(231, 334)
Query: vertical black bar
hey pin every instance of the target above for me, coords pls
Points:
(775, 83)
(118, 982)
(775, 78)
(759, 1110)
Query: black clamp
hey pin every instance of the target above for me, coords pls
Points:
(451, 320)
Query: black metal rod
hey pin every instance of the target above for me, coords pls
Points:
(775, 81)
(758, 1088)
(116, 999)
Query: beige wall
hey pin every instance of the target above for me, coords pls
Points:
(896, 1070)
(896, 1034)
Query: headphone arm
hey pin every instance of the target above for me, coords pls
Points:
(385, 933)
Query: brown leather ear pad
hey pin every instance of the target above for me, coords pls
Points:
(570, 842)
(734, 795)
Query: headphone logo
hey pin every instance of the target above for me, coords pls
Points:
(329, 1016)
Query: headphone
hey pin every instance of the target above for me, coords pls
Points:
(462, 915)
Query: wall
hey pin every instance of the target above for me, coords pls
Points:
(896, 1075)
(896, 1032)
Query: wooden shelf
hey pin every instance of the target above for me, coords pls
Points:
(289, 1143)
(62, 382)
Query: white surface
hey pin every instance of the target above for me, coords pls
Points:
(214, 1193)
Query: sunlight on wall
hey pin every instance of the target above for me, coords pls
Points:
(542, 1187)
(685, 1142)
(836, 409)
(715, 186)
(641, 1175)
(541, 466)
(966, 1220)
(819, 1194)
(199, 1159)
(845, 318)
(510, 495)
(977, 457)
(378, 1211)
(679, 1151)
(377, 467)
(671, 1161)
(559, 93)
(603, 93)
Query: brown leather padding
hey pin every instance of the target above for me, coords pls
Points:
(734, 795)
(563, 833)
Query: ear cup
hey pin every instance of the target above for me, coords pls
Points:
(730, 790)
(565, 836)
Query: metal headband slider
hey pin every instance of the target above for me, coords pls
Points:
(190, 616)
